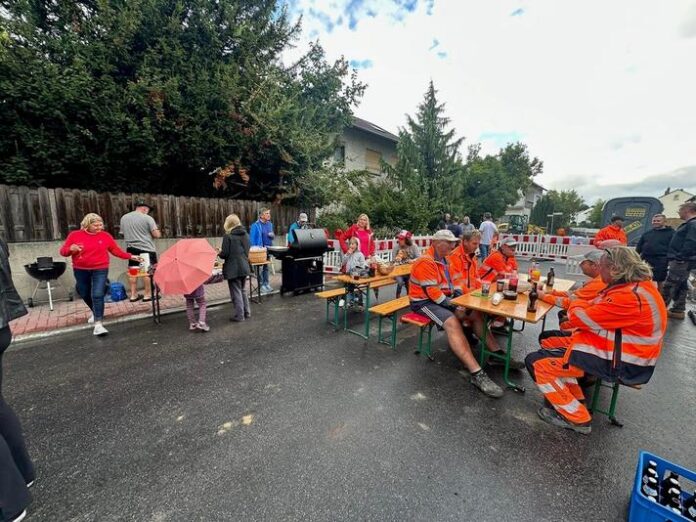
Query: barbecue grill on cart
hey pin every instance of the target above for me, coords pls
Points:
(303, 261)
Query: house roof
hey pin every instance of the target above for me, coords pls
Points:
(675, 191)
(370, 127)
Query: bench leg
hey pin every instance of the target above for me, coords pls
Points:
(612, 405)
(392, 333)
(429, 352)
(611, 413)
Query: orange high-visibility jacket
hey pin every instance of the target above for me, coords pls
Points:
(587, 292)
(611, 232)
(464, 270)
(430, 280)
(618, 334)
(495, 265)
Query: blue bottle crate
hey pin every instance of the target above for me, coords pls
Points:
(642, 509)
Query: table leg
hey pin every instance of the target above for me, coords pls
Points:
(365, 334)
(154, 292)
(258, 283)
(508, 356)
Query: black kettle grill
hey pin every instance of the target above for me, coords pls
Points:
(45, 270)
(303, 261)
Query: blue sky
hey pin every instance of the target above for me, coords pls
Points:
(601, 91)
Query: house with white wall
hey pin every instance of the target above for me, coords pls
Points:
(364, 145)
(524, 205)
(671, 201)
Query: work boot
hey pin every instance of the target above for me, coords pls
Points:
(552, 417)
(484, 383)
(676, 315)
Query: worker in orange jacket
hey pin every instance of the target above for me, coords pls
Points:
(499, 262)
(618, 338)
(430, 290)
(464, 272)
(613, 231)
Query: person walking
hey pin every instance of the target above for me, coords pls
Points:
(488, 232)
(681, 256)
(16, 467)
(89, 249)
(139, 229)
(236, 268)
(653, 245)
(262, 236)
(300, 224)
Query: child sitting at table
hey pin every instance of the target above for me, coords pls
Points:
(353, 263)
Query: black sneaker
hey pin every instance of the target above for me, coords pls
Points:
(552, 417)
(692, 316)
(484, 383)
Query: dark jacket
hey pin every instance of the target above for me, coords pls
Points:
(655, 243)
(235, 252)
(11, 306)
(683, 244)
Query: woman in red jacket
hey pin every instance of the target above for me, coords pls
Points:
(363, 233)
(89, 248)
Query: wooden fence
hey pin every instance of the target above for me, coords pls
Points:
(41, 214)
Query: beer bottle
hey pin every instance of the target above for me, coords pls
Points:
(669, 481)
(649, 488)
(533, 296)
(550, 278)
(690, 507)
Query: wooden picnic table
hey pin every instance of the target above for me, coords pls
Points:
(362, 285)
(514, 310)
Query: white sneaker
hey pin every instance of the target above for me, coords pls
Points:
(193, 327)
(204, 327)
(20, 517)
(341, 303)
(99, 330)
(30, 484)
(90, 319)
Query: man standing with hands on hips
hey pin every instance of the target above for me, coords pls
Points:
(262, 236)
(138, 230)
(681, 255)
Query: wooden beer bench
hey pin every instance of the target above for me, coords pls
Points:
(332, 297)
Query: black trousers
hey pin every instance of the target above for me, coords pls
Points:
(16, 469)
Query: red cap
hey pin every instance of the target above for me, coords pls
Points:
(404, 234)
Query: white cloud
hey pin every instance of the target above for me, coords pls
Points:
(601, 91)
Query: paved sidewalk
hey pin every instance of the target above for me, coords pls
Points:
(67, 314)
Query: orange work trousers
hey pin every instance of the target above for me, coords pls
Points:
(559, 384)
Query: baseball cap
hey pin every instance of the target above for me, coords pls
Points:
(444, 235)
(142, 203)
(303, 218)
(404, 234)
(509, 241)
(593, 255)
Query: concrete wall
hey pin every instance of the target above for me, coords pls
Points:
(25, 253)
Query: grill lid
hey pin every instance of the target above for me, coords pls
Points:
(309, 240)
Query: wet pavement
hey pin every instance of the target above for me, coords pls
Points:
(281, 418)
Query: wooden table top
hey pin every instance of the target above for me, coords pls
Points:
(399, 270)
(512, 309)
(562, 285)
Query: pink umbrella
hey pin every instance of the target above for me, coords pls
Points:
(185, 266)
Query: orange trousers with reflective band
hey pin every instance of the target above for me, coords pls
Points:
(555, 339)
(559, 384)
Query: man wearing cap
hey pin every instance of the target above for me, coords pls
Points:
(138, 230)
(300, 224)
(404, 252)
(500, 262)
(430, 291)
(613, 231)
(589, 265)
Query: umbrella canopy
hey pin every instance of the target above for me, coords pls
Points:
(185, 266)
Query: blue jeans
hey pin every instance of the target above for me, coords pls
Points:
(264, 275)
(90, 285)
(484, 249)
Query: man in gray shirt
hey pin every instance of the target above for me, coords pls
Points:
(138, 229)
(467, 226)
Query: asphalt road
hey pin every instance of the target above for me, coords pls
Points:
(280, 418)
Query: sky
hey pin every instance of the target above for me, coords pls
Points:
(604, 92)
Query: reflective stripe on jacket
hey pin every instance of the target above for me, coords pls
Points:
(495, 265)
(587, 292)
(619, 334)
(464, 270)
(430, 280)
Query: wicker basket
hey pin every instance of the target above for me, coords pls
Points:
(385, 269)
(258, 256)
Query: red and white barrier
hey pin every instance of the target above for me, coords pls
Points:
(528, 246)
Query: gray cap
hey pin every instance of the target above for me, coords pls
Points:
(509, 241)
(593, 255)
(303, 218)
(444, 235)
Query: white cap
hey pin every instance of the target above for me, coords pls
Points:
(444, 235)
(509, 241)
(593, 255)
(303, 218)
